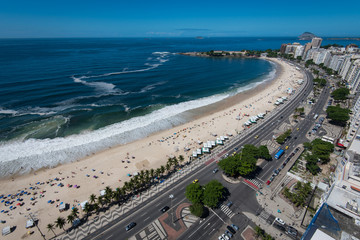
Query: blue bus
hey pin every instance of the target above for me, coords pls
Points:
(279, 154)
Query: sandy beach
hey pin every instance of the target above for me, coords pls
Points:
(111, 167)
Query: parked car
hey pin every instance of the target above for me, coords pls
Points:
(196, 180)
(231, 229)
(228, 233)
(215, 170)
(220, 238)
(280, 221)
(235, 227)
(130, 226)
(225, 237)
(291, 231)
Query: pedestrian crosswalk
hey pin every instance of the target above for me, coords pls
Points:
(255, 182)
(264, 215)
(227, 211)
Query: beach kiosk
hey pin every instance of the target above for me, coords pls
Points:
(29, 224)
(82, 205)
(194, 154)
(6, 230)
(206, 150)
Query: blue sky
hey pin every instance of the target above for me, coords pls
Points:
(171, 18)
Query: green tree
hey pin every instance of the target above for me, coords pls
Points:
(50, 227)
(194, 193)
(264, 152)
(230, 165)
(213, 193)
(181, 159)
(87, 209)
(339, 116)
(60, 223)
(307, 145)
(75, 211)
(197, 209)
(340, 94)
(92, 198)
(70, 218)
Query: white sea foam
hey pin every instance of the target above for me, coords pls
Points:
(24, 156)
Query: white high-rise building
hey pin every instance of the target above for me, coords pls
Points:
(299, 51)
(316, 42)
(353, 76)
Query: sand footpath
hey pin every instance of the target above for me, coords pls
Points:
(74, 182)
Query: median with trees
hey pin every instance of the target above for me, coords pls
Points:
(244, 163)
(210, 195)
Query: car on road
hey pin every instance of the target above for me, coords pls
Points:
(229, 204)
(226, 155)
(196, 180)
(164, 209)
(257, 136)
(280, 221)
(287, 147)
(268, 182)
(225, 236)
(231, 229)
(130, 226)
(215, 170)
(234, 227)
(291, 231)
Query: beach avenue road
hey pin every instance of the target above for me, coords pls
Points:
(242, 196)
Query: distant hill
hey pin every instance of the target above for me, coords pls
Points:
(307, 36)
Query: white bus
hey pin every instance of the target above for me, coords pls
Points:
(328, 139)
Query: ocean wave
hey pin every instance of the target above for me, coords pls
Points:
(22, 156)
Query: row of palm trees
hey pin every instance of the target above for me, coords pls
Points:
(137, 184)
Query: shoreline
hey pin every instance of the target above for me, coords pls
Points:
(181, 118)
(143, 154)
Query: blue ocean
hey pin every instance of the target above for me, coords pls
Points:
(63, 99)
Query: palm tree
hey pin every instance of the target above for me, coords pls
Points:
(168, 167)
(60, 222)
(75, 211)
(70, 218)
(100, 201)
(181, 158)
(162, 169)
(96, 207)
(117, 194)
(152, 174)
(87, 209)
(108, 194)
(158, 172)
(50, 227)
(175, 162)
(92, 198)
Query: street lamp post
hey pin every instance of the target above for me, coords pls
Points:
(35, 222)
(171, 196)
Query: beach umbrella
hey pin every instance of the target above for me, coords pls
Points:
(18, 204)
(2, 201)
(9, 195)
(2, 211)
(75, 186)
(49, 201)
(11, 207)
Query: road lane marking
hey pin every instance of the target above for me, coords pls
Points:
(146, 219)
